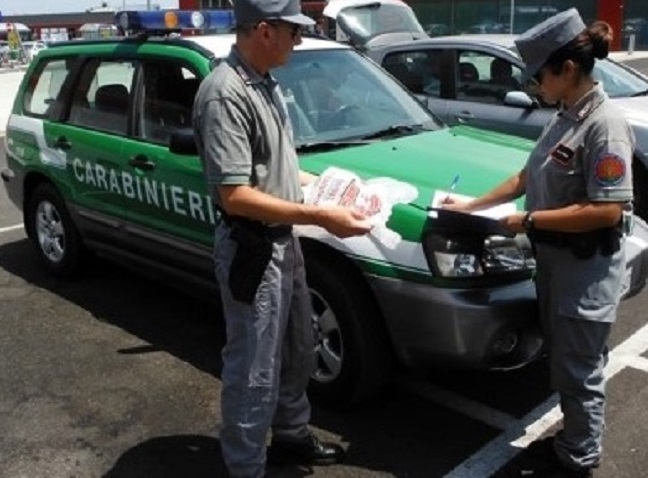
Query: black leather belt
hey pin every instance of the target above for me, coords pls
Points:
(583, 245)
(271, 232)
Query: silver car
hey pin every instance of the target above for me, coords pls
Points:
(475, 79)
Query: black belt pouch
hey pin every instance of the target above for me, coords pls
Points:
(253, 254)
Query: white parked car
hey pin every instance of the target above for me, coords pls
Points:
(31, 49)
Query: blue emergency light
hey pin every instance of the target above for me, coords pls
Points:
(175, 20)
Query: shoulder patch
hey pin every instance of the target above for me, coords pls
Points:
(609, 169)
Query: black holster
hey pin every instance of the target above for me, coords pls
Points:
(253, 253)
(583, 245)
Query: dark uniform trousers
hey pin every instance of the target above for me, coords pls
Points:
(578, 301)
(268, 358)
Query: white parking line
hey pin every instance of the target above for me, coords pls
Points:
(519, 433)
(640, 363)
(11, 228)
(502, 449)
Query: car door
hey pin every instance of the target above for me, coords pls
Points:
(422, 72)
(90, 135)
(483, 83)
(170, 215)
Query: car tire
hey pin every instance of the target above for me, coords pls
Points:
(353, 356)
(49, 226)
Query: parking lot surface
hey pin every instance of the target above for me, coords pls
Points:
(117, 375)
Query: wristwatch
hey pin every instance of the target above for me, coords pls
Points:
(527, 222)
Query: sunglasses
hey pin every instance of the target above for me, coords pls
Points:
(295, 29)
(532, 85)
(538, 77)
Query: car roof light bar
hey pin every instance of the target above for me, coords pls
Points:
(149, 22)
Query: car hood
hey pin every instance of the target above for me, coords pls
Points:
(431, 160)
(635, 108)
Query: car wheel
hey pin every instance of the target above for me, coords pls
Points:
(640, 179)
(51, 230)
(353, 356)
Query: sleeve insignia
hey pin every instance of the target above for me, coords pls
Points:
(609, 169)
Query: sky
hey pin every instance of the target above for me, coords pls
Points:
(31, 7)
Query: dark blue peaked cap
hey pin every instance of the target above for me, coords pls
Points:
(538, 43)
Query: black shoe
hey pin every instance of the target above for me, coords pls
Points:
(541, 449)
(309, 451)
(564, 472)
(539, 460)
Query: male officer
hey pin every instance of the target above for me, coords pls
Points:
(245, 141)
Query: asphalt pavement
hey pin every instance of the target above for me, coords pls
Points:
(116, 375)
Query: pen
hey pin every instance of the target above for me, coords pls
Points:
(453, 185)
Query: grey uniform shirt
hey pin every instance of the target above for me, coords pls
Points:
(583, 155)
(243, 133)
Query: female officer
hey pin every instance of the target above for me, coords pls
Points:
(578, 184)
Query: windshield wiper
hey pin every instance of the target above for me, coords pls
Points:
(396, 130)
(641, 93)
(327, 146)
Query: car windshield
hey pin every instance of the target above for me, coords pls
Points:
(617, 81)
(338, 96)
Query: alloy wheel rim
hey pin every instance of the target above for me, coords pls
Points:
(329, 349)
(50, 232)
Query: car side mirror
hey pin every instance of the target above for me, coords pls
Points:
(183, 142)
(520, 99)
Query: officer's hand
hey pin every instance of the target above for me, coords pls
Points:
(454, 204)
(514, 222)
(306, 178)
(344, 222)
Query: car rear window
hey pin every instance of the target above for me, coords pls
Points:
(44, 88)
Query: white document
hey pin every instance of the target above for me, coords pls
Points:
(373, 198)
(495, 212)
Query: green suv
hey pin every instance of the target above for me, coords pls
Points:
(101, 158)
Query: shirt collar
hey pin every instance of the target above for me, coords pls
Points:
(247, 73)
(586, 105)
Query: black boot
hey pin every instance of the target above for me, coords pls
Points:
(539, 460)
(307, 451)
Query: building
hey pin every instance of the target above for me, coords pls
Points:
(462, 16)
(60, 26)
(438, 17)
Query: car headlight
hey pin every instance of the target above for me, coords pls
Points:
(465, 255)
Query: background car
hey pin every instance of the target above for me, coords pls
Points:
(4, 51)
(481, 28)
(31, 48)
(475, 79)
(437, 29)
(637, 27)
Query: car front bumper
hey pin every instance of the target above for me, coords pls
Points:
(491, 328)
